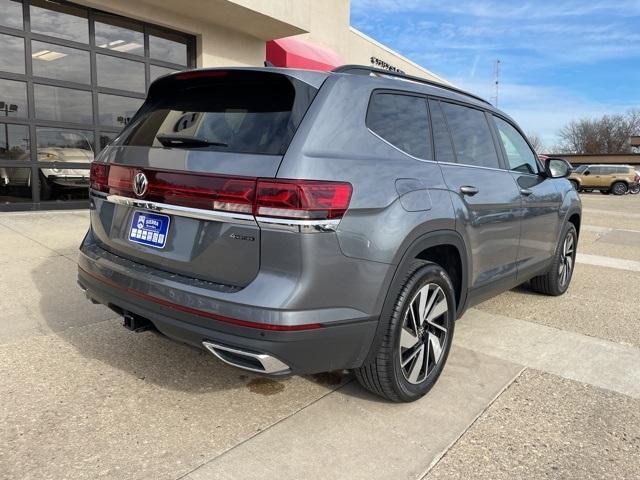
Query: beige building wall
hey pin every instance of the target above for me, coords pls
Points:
(234, 32)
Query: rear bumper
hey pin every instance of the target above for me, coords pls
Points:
(302, 341)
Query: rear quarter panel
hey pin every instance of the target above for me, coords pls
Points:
(334, 143)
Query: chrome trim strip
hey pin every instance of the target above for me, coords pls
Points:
(213, 216)
(300, 226)
(270, 365)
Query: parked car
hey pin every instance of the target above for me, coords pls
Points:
(55, 145)
(293, 222)
(614, 179)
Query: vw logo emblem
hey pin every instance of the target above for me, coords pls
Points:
(140, 184)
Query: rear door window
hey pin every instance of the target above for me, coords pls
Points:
(472, 139)
(242, 112)
(519, 155)
(441, 138)
(401, 120)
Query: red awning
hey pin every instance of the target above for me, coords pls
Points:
(296, 53)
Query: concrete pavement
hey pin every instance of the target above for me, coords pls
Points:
(535, 387)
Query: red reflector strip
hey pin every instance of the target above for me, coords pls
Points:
(202, 313)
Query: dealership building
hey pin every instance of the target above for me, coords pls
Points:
(73, 74)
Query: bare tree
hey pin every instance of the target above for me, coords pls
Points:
(608, 134)
(536, 142)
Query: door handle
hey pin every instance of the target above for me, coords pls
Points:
(526, 192)
(469, 190)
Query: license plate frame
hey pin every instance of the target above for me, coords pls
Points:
(149, 229)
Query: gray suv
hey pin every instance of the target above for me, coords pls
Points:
(295, 222)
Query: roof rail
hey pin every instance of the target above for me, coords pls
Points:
(366, 70)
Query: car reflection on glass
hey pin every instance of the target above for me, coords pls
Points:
(60, 146)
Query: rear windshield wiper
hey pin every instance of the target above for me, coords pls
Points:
(171, 140)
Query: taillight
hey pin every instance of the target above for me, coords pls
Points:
(293, 199)
(302, 199)
(99, 176)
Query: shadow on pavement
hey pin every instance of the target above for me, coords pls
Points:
(148, 356)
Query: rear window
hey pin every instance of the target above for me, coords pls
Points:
(238, 112)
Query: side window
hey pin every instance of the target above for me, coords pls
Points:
(403, 121)
(441, 137)
(472, 138)
(595, 170)
(520, 157)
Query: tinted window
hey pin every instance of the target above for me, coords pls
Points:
(168, 47)
(119, 34)
(13, 102)
(116, 111)
(61, 63)
(11, 13)
(472, 138)
(14, 142)
(441, 137)
(402, 120)
(63, 104)
(244, 112)
(119, 73)
(57, 20)
(519, 156)
(12, 58)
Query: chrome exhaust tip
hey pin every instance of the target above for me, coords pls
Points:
(254, 362)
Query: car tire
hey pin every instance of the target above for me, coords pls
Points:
(46, 189)
(411, 355)
(619, 188)
(575, 185)
(557, 280)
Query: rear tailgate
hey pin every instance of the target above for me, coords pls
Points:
(175, 189)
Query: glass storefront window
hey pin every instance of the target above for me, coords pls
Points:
(119, 34)
(63, 104)
(155, 71)
(117, 111)
(168, 47)
(86, 78)
(11, 13)
(12, 58)
(13, 99)
(15, 184)
(61, 21)
(120, 73)
(64, 145)
(14, 142)
(60, 63)
(63, 184)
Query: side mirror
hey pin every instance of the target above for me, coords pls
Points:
(558, 168)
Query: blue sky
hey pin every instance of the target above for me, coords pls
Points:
(560, 60)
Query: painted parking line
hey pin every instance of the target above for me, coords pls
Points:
(571, 355)
(610, 262)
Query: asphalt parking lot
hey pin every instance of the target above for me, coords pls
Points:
(535, 387)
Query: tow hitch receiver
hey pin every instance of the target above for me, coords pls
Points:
(135, 323)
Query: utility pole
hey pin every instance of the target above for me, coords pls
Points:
(496, 78)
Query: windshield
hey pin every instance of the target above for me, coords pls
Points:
(580, 168)
(245, 115)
